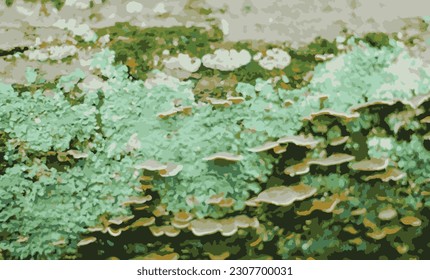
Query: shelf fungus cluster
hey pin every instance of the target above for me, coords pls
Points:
(164, 170)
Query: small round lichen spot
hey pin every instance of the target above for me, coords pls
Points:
(134, 7)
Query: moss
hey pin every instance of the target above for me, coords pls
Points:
(377, 39)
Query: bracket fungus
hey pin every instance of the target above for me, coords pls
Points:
(236, 99)
(375, 103)
(77, 154)
(227, 226)
(165, 170)
(299, 140)
(172, 169)
(116, 232)
(280, 149)
(120, 220)
(285, 196)
(151, 165)
(425, 120)
(334, 159)
(169, 231)
(373, 164)
(137, 200)
(297, 169)
(219, 102)
(338, 141)
(419, 100)
(204, 227)
(143, 222)
(328, 112)
(183, 217)
(186, 110)
(181, 220)
(392, 174)
(265, 147)
(224, 156)
(86, 241)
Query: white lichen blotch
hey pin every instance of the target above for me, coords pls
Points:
(226, 60)
(274, 58)
(134, 7)
(183, 62)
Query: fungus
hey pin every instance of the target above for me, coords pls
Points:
(236, 99)
(329, 112)
(285, 196)
(374, 103)
(151, 165)
(169, 231)
(265, 147)
(252, 202)
(299, 140)
(219, 102)
(96, 229)
(116, 232)
(279, 149)
(392, 174)
(143, 222)
(172, 169)
(60, 242)
(137, 200)
(120, 220)
(297, 169)
(417, 101)
(87, 241)
(374, 164)
(224, 156)
(334, 159)
(183, 217)
(168, 113)
(425, 120)
(204, 227)
(179, 224)
(228, 227)
(77, 154)
(159, 211)
(338, 140)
